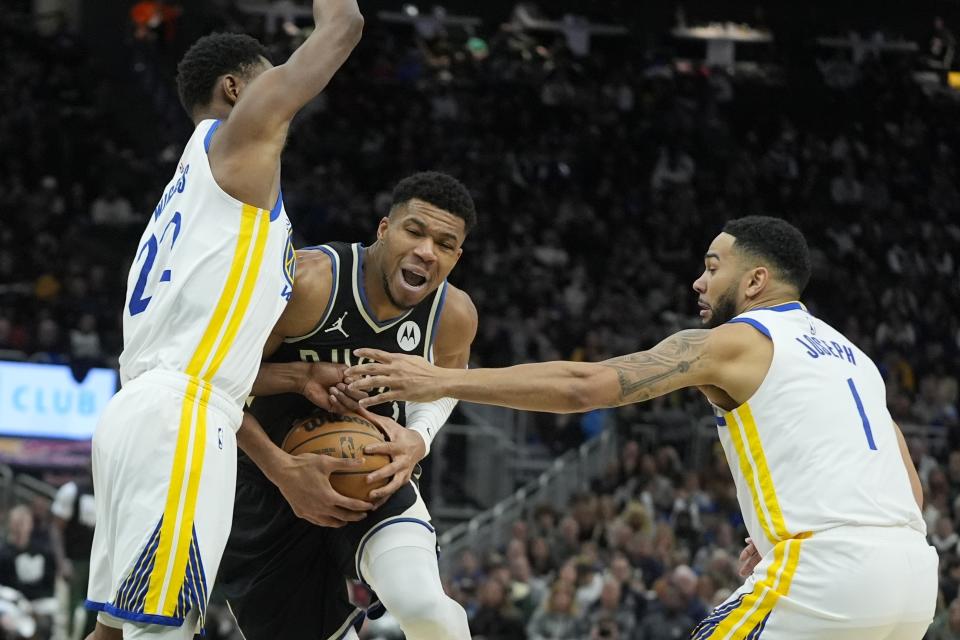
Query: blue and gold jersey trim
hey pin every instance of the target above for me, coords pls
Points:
(745, 617)
(756, 472)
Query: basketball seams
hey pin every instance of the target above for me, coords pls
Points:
(336, 435)
(351, 473)
(299, 445)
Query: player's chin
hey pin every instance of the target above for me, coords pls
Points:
(409, 296)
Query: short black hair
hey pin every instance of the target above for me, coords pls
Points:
(209, 58)
(439, 189)
(774, 240)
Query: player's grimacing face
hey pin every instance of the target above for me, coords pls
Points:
(718, 286)
(421, 245)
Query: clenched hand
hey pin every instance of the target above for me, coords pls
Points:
(305, 483)
(405, 447)
(405, 377)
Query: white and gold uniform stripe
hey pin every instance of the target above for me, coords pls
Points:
(176, 530)
(745, 617)
(753, 464)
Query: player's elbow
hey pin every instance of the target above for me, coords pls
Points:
(349, 27)
(588, 391)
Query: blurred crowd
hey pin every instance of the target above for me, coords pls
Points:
(600, 179)
(648, 551)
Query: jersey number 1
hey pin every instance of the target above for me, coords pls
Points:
(863, 414)
(138, 299)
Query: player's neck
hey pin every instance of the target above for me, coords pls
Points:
(377, 299)
(211, 112)
(771, 300)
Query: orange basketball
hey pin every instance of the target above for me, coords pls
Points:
(340, 436)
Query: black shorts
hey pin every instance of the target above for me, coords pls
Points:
(285, 577)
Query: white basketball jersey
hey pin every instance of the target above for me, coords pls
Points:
(815, 447)
(209, 280)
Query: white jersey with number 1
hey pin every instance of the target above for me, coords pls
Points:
(815, 446)
(825, 496)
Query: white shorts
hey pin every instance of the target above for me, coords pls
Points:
(164, 473)
(848, 583)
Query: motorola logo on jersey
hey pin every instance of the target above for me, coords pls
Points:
(408, 336)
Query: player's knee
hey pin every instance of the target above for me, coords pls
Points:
(429, 612)
(417, 605)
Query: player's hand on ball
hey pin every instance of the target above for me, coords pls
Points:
(404, 377)
(305, 483)
(405, 447)
(319, 377)
(749, 559)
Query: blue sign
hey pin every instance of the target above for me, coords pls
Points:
(46, 401)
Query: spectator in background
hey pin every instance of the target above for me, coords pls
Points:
(556, 620)
(526, 591)
(542, 562)
(846, 189)
(27, 563)
(674, 168)
(688, 583)
(112, 209)
(610, 607)
(74, 517)
(946, 626)
(632, 589)
(667, 619)
(85, 341)
(495, 619)
(49, 346)
(468, 574)
(942, 46)
(567, 541)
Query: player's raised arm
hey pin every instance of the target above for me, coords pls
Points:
(245, 152)
(276, 96)
(685, 359)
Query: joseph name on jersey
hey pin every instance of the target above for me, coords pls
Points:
(815, 447)
(210, 278)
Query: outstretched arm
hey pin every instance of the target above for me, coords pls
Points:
(684, 359)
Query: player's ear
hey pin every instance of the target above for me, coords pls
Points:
(230, 86)
(382, 227)
(758, 279)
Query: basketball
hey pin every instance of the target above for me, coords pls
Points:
(340, 436)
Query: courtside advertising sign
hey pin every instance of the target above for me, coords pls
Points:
(46, 401)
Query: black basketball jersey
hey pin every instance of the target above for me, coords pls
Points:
(348, 324)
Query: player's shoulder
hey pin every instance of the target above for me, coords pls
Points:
(314, 262)
(314, 273)
(733, 339)
(458, 307)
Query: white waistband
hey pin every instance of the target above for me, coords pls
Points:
(178, 381)
(875, 532)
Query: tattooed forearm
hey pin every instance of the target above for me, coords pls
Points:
(648, 374)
